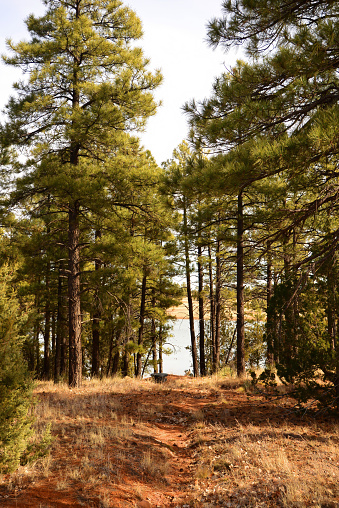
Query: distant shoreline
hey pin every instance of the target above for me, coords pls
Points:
(181, 311)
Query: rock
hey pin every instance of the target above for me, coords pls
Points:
(144, 504)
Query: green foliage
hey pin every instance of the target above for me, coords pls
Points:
(304, 351)
(267, 377)
(274, 123)
(255, 345)
(88, 91)
(15, 381)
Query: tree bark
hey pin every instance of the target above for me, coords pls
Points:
(113, 363)
(189, 297)
(53, 334)
(336, 346)
(95, 344)
(331, 303)
(154, 338)
(47, 331)
(96, 323)
(269, 322)
(240, 290)
(216, 365)
(141, 324)
(59, 332)
(127, 337)
(161, 366)
(74, 303)
(212, 309)
(36, 335)
(75, 352)
(201, 314)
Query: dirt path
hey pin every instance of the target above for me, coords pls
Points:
(115, 446)
(186, 443)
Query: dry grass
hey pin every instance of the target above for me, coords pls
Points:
(156, 466)
(199, 442)
(292, 466)
(93, 437)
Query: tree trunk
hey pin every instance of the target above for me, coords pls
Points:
(161, 366)
(141, 324)
(240, 290)
(287, 339)
(75, 352)
(60, 358)
(231, 346)
(189, 297)
(331, 303)
(201, 314)
(269, 323)
(154, 338)
(47, 331)
(216, 365)
(36, 338)
(125, 364)
(128, 336)
(53, 332)
(96, 323)
(74, 303)
(113, 364)
(332, 318)
(212, 310)
(95, 344)
(336, 346)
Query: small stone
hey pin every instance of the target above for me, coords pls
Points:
(144, 504)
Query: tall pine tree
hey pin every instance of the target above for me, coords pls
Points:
(87, 87)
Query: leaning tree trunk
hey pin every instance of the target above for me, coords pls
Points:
(189, 298)
(240, 290)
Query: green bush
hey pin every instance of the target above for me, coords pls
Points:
(15, 381)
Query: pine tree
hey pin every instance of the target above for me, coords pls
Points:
(88, 87)
(177, 170)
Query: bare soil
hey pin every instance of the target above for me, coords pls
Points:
(184, 443)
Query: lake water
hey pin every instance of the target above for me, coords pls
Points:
(181, 358)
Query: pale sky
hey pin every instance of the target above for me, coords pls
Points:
(174, 40)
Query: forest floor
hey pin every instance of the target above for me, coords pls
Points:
(184, 443)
